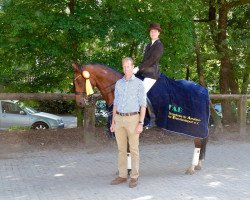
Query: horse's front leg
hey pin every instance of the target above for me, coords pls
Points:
(198, 156)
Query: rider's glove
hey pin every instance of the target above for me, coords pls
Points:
(135, 70)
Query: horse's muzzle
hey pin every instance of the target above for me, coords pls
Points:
(81, 99)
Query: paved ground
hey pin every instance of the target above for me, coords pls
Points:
(85, 173)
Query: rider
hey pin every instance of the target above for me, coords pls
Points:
(149, 67)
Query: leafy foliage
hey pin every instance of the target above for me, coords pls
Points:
(39, 39)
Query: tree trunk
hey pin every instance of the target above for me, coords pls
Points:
(200, 70)
(79, 111)
(216, 119)
(79, 116)
(187, 73)
(89, 124)
(225, 75)
(228, 83)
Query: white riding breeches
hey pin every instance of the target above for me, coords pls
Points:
(148, 83)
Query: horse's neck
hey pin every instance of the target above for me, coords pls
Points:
(106, 84)
(108, 96)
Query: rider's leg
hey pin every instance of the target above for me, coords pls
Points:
(148, 83)
(151, 113)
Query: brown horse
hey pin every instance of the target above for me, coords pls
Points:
(104, 78)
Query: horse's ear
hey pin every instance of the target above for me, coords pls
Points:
(76, 67)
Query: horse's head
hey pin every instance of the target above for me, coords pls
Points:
(100, 76)
(79, 84)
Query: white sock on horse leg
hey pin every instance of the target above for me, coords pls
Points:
(196, 156)
(128, 161)
(148, 83)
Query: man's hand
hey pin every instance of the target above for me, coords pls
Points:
(135, 70)
(112, 127)
(139, 128)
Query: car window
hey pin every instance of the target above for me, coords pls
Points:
(30, 110)
(8, 107)
(26, 108)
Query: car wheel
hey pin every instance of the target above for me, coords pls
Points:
(40, 125)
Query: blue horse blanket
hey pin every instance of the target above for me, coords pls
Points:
(180, 106)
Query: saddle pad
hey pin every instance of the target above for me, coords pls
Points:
(180, 106)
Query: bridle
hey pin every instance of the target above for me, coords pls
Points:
(80, 75)
(77, 77)
(77, 92)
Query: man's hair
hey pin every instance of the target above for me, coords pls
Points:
(128, 59)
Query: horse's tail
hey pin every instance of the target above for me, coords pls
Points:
(203, 148)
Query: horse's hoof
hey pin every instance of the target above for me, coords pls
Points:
(190, 171)
(198, 167)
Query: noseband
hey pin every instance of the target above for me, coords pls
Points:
(77, 77)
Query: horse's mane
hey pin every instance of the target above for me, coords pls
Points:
(104, 67)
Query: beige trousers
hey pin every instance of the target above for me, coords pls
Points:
(125, 131)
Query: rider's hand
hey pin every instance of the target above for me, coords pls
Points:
(135, 70)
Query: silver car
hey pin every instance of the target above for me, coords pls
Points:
(16, 114)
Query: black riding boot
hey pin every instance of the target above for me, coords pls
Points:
(151, 113)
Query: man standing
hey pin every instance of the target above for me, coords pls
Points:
(128, 119)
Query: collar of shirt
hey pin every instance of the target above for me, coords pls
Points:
(153, 41)
(132, 78)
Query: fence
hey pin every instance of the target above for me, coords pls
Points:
(242, 99)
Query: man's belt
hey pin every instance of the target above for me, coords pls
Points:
(127, 114)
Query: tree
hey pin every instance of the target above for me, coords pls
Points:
(39, 39)
(224, 33)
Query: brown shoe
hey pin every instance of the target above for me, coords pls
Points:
(133, 182)
(118, 180)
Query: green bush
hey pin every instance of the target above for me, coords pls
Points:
(56, 106)
(53, 106)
